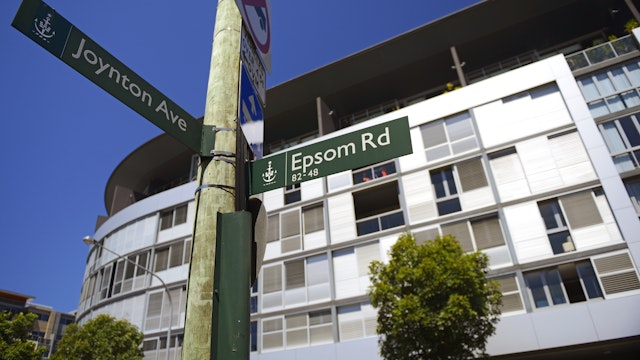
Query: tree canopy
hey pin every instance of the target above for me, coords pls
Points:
(433, 300)
(101, 338)
(14, 337)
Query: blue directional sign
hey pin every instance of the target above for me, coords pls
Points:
(250, 114)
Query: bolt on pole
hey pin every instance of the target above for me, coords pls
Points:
(216, 179)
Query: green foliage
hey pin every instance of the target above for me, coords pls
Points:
(434, 301)
(101, 338)
(14, 337)
(630, 25)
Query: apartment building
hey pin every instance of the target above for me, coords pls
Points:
(48, 327)
(524, 122)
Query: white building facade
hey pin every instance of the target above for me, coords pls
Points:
(536, 165)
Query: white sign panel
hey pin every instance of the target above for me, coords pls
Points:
(254, 66)
(256, 15)
(251, 115)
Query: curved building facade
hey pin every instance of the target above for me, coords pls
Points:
(531, 157)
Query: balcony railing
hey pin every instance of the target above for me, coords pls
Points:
(602, 52)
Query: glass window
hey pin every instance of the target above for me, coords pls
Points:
(313, 217)
(166, 219)
(446, 191)
(566, 283)
(557, 231)
(294, 274)
(633, 189)
(378, 208)
(292, 194)
(613, 89)
(451, 135)
(369, 173)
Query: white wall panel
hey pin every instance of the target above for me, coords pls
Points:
(341, 218)
(295, 296)
(315, 240)
(498, 256)
(272, 250)
(537, 161)
(170, 275)
(520, 117)
(340, 180)
(528, 233)
(590, 236)
(510, 178)
(312, 189)
(476, 198)
(273, 199)
(571, 159)
(418, 157)
(419, 197)
(345, 273)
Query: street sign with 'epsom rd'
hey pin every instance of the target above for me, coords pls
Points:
(349, 151)
(45, 26)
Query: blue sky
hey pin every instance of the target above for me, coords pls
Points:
(61, 136)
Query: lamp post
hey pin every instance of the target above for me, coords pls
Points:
(91, 241)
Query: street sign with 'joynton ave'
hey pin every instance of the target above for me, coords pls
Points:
(349, 151)
(45, 26)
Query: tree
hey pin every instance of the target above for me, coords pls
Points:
(101, 338)
(14, 337)
(433, 300)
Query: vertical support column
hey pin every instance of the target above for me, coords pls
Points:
(216, 179)
(633, 9)
(458, 66)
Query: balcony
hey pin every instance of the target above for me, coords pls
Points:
(602, 52)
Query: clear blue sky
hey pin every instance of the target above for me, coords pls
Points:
(61, 136)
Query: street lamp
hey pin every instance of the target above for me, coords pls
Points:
(93, 242)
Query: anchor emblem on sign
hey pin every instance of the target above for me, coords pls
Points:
(269, 175)
(43, 28)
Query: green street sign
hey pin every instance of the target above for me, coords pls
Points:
(350, 151)
(45, 26)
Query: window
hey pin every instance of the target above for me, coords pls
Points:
(369, 173)
(511, 300)
(572, 211)
(612, 89)
(633, 189)
(156, 348)
(378, 208)
(253, 336)
(450, 136)
(356, 321)
(173, 255)
(295, 282)
(272, 337)
(557, 230)
(306, 329)
(288, 227)
(617, 273)
(127, 273)
(476, 234)
(351, 269)
(313, 218)
(159, 309)
(292, 194)
(106, 280)
(567, 283)
(253, 306)
(173, 217)
(622, 137)
(446, 191)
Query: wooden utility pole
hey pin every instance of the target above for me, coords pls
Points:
(216, 192)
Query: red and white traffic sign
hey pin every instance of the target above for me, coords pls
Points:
(256, 15)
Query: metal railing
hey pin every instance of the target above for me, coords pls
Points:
(602, 52)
